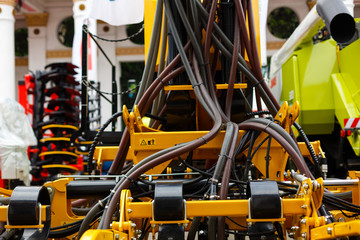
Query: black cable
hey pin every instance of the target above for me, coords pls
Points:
(341, 201)
(70, 228)
(97, 138)
(161, 119)
(257, 113)
(64, 233)
(67, 225)
(257, 148)
(248, 159)
(143, 194)
(233, 172)
(193, 168)
(267, 158)
(241, 146)
(143, 233)
(236, 223)
(251, 234)
(318, 172)
(279, 230)
(339, 205)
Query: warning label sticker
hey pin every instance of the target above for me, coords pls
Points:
(147, 141)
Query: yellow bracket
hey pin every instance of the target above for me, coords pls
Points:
(133, 121)
(288, 115)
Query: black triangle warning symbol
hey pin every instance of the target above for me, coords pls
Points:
(143, 142)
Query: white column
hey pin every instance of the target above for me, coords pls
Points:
(7, 50)
(80, 10)
(36, 23)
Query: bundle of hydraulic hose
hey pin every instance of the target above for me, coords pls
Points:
(219, 158)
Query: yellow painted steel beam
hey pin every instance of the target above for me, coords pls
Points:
(230, 208)
(336, 230)
(3, 214)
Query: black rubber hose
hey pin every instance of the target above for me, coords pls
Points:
(80, 211)
(193, 228)
(97, 138)
(64, 233)
(317, 164)
(90, 217)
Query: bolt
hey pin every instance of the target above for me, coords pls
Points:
(291, 235)
(329, 230)
(130, 198)
(316, 186)
(50, 190)
(129, 211)
(341, 219)
(294, 228)
(303, 221)
(280, 114)
(202, 233)
(117, 236)
(263, 237)
(304, 206)
(305, 186)
(304, 235)
(133, 225)
(40, 230)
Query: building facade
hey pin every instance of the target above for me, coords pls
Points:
(45, 26)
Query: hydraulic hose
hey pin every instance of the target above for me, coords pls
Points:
(226, 179)
(298, 159)
(138, 169)
(311, 150)
(90, 217)
(153, 51)
(233, 69)
(224, 154)
(119, 160)
(97, 138)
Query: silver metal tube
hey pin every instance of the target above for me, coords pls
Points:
(336, 182)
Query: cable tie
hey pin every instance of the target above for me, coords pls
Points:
(213, 180)
(196, 85)
(204, 140)
(101, 203)
(267, 125)
(260, 82)
(224, 155)
(204, 64)
(160, 79)
(129, 178)
(112, 191)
